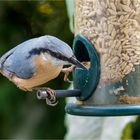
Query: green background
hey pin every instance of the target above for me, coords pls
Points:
(21, 114)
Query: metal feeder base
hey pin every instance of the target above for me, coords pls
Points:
(113, 110)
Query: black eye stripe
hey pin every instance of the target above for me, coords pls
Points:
(37, 51)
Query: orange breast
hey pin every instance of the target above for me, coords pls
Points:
(45, 71)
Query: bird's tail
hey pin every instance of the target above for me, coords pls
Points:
(0, 65)
(77, 63)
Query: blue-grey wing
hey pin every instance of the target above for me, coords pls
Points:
(5, 56)
(17, 63)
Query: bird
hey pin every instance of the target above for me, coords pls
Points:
(37, 61)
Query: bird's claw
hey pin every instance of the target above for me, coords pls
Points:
(66, 72)
(48, 94)
(51, 99)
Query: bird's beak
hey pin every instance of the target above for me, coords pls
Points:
(77, 63)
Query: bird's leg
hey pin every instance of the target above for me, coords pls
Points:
(47, 93)
(67, 71)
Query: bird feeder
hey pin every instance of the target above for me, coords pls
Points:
(107, 35)
(107, 40)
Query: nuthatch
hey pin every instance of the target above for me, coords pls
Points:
(37, 61)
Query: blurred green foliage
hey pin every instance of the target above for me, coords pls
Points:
(131, 131)
(127, 132)
(21, 114)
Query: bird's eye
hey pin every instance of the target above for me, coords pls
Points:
(57, 55)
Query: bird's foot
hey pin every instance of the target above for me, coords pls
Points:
(48, 94)
(67, 71)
